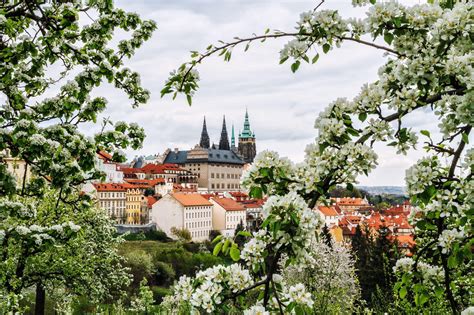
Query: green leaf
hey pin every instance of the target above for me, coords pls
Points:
(217, 239)
(282, 60)
(465, 138)
(388, 37)
(295, 66)
(439, 291)
(244, 233)
(326, 48)
(235, 253)
(225, 246)
(315, 58)
(362, 116)
(372, 1)
(190, 100)
(403, 292)
(217, 249)
(425, 133)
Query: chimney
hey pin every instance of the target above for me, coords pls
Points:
(176, 150)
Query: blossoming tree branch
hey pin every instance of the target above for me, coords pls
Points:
(53, 54)
(429, 50)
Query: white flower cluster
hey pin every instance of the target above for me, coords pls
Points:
(256, 310)
(299, 295)
(328, 22)
(205, 291)
(383, 12)
(253, 250)
(295, 49)
(267, 160)
(345, 164)
(379, 129)
(421, 175)
(448, 238)
(429, 272)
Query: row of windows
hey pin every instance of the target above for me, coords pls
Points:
(198, 224)
(223, 186)
(204, 233)
(112, 195)
(113, 203)
(195, 215)
(235, 218)
(223, 175)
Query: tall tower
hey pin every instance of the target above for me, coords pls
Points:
(247, 146)
(204, 142)
(232, 140)
(224, 142)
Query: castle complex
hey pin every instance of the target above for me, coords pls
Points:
(218, 167)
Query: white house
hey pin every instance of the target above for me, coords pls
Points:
(184, 211)
(329, 215)
(227, 214)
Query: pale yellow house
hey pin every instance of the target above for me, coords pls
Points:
(227, 214)
(133, 203)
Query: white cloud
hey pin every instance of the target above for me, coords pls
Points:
(282, 105)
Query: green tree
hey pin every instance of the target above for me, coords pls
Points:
(45, 132)
(54, 246)
(326, 236)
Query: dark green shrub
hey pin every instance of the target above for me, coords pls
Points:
(165, 274)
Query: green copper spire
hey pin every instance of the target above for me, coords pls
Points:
(246, 133)
(232, 139)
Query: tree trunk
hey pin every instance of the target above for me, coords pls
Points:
(40, 300)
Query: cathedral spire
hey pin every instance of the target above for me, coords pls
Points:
(204, 142)
(232, 138)
(246, 133)
(224, 142)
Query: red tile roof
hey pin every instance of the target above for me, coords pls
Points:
(160, 168)
(151, 200)
(145, 183)
(104, 156)
(109, 187)
(229, 204)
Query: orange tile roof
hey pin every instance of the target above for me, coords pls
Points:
(346, 201)
(229, 204)
(328, 211)
(190, 200)
(238, 194)
(109, 187)
(160, 168)
(104, 155)
(151, 200)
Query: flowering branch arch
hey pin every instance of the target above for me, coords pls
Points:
(429, 68)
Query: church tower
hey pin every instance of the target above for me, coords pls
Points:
(224, 142)
(204, 142)
(247, 147)
(232, 140)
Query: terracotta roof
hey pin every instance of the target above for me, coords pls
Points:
(238, 194)
(145, 182)
(109, 187)
(104, 155)
(190, 200)
(160, 168)
(328, 211)
(229, 204)
(151, 200)
(346, 201)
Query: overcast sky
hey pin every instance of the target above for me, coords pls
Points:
(282, 106)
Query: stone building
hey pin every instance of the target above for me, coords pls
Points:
(183, 211)
(218, 169)
(112, 197)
